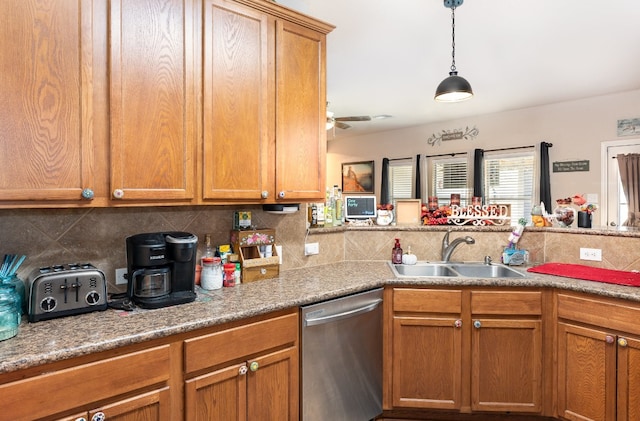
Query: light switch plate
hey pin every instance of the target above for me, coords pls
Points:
(311, 249)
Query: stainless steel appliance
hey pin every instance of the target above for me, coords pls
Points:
(161, 268)
(342, 358)
(63, 290)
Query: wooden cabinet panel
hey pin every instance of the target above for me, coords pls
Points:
(586, 374)
(46, 62)
(237, 85)
(152, 99)
(506, 363)
(427, 300)
(523, 303)
(300, 107)
(427, 361)
(219, 395)
(629, 380)
(151, 406)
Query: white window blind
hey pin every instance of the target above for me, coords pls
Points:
(449, 176)
(401, 179)
(509, 179)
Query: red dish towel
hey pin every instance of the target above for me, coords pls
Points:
(588, 273)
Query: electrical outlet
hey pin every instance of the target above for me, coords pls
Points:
(120, 276)
(311, 248)
(591, 254)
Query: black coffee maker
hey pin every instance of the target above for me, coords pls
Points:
(161, 268)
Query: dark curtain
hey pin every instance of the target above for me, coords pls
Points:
(629, 167)
(384, 188)
(418, 178)
(478, 173)
(545, 182)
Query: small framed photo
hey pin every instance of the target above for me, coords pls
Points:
(358, 177)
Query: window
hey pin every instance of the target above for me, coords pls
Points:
(509, 179)
(614, 207)
(401, 179)
(449, 176)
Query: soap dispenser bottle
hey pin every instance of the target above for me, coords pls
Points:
(396, 254)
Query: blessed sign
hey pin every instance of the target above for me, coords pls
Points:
(571, 166)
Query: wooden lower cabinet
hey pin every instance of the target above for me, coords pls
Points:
(133, 386)
(598, 359)
(467, 350)
(245, 373)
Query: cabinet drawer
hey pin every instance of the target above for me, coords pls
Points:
(506, 302)
(57, 391)
(427, 300)
(239, 342)
(600, 312)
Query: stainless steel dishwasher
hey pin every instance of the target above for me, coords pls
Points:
(342, 358)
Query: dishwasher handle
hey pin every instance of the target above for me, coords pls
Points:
(343, 315)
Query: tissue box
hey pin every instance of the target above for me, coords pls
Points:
(515, 257)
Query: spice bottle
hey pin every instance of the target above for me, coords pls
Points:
(396, 253)
(229, 275)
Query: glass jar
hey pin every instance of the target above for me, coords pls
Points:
(211, 277)
(18, 284)
(564, 214)
(9, 312)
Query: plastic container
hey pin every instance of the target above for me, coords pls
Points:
(9, 312)
(396, 253)
(211, 277)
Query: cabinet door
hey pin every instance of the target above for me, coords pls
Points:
(272, 389)
(586, 374)
(219, 395)
(506, 365)
(300, 112)
(427, 362)
(152, 100)
(628, 379)
(151, 406)
(237, 102)
(46, 108)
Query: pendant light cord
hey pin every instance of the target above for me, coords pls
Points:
(453, 39)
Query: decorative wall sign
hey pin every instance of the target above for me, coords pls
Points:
(628, 126)
(480, 215)
(446, 135)
(571, 166)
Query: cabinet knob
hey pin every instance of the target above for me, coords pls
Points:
(263, 271)
(254, 366)
(622, 342)
(87, 194)
(609, 339)
(477, 324)
(265, 194)
(457, 323)
(118, 193)
(281, 195)
(242, 370)
(98, 416)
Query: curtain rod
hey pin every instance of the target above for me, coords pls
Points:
(399, 159)
(445, 154)
(509, 149)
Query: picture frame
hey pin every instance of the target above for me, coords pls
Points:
(358, 177)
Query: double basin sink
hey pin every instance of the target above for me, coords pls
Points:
(423, 269)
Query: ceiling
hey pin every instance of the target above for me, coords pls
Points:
(388, 56)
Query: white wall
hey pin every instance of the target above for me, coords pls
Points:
(575, 128)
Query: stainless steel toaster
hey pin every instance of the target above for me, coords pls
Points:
(64, 290)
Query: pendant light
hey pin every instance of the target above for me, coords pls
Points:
(454, 88)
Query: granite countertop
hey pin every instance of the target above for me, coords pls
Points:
(67, 337)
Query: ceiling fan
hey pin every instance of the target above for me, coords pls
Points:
(339, 122)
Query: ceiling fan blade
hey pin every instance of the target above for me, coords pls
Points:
(342, 125)
(354, 118)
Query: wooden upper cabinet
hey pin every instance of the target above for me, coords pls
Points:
(264, 103)
(237, 85)
(301, 136)
(46, 73)
(152, 100)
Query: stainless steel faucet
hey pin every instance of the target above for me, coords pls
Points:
(447, 249)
